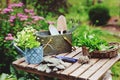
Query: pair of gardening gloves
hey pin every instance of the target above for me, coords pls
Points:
(51, 64)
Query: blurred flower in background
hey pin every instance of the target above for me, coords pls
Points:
(9, 37)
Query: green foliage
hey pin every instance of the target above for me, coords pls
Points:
(89, 39)
(77, 12)
(115, 69)
(99, 15)
(44, 7)
(4, 76)
(114, 7)
(26, 38)
(17, 75)
(13, 20)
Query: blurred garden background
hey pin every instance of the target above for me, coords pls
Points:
(101, 17)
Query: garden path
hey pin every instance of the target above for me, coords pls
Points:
(113, 26)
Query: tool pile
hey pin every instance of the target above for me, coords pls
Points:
(57, 39)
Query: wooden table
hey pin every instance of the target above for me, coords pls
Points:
(94, 70)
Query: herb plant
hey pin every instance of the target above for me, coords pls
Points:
(92, 42)
(26, 38)
(88, 37)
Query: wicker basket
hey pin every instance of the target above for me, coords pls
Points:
(104, 54)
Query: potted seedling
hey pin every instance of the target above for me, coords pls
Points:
(26, 43)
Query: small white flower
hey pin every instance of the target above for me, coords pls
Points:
(91, 36)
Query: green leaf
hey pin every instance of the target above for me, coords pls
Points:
(26, 38)
(3, 76)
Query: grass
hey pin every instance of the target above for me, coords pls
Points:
(116, 71)
(114, 6)
(80, 5)
(109, 37)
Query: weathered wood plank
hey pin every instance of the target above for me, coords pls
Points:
(18, 61)
(34, 71)
(93, 69)
(74, 52)
(83, 68)
(72, 67)
(32, 65)
(78, 55)
(23, 64)
(104, 68)
(62, 54)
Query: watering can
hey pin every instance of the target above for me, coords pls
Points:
(32, 56)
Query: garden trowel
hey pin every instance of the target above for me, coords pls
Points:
(61, 24)
(53, 30)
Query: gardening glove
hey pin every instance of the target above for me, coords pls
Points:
(51, 64)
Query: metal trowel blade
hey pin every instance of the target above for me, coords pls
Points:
(53, 30)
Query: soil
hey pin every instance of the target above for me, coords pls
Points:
(113, 26)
